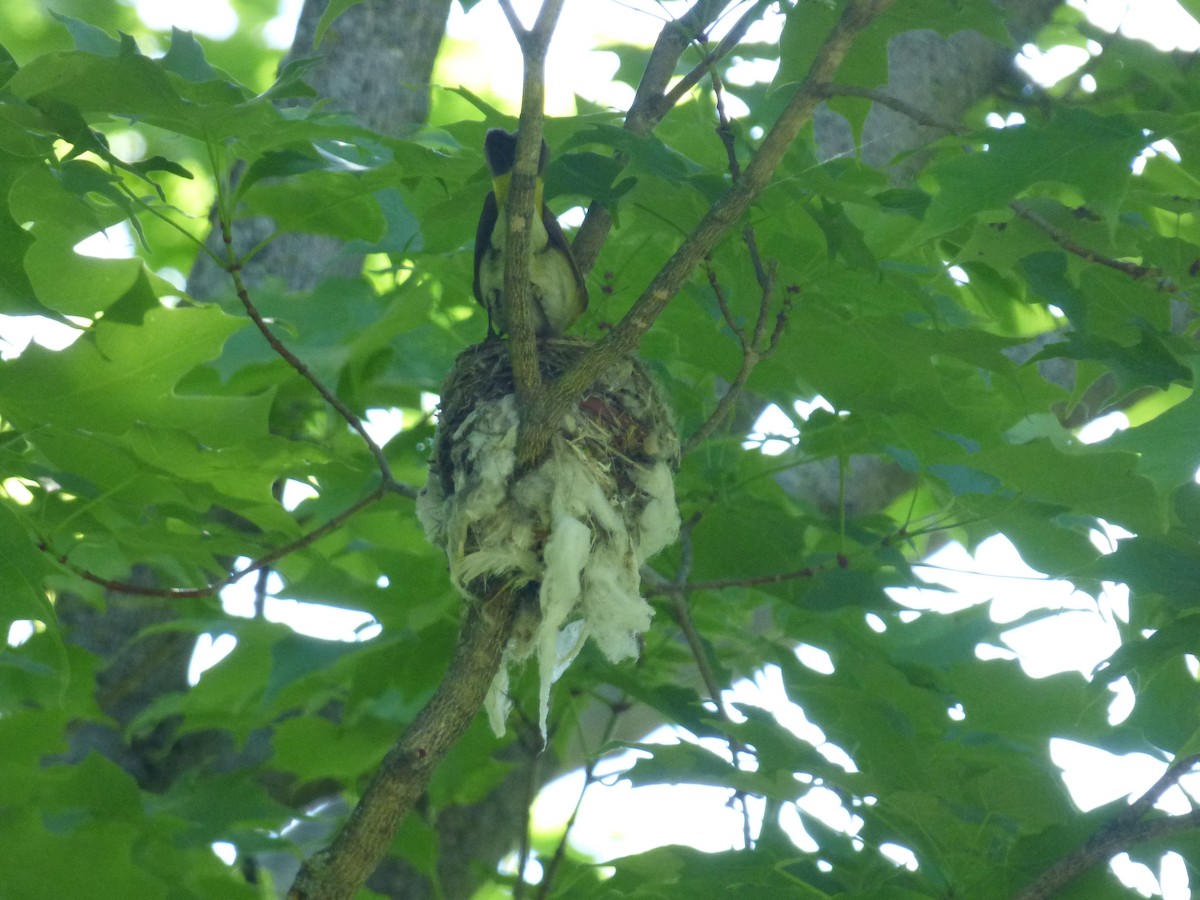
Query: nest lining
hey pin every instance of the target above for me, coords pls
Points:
(567, 537)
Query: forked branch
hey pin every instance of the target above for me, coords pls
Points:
(558, 398)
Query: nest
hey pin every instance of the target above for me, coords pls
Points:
(568, 537)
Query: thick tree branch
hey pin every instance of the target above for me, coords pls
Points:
(338, 872)
(518, 310)
(647, 110)
(1126, 829)
(555, 402)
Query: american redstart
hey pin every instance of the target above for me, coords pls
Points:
(558, 292)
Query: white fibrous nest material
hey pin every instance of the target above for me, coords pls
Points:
(568, 536)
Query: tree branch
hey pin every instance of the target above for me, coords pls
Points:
(518, 310)
(234, 268)
(683, 618)
(754, 350)
(1124, 830)
(338, 872)
(661, 586)
(256, 565)
(646, 111)
(1064, 240)
(342, 868)
(1056, 234)
(557, 399)
(589, 778)
(723, 49)
(918, 115)
(388, 483)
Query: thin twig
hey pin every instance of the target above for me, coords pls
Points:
(1056, 234)
(201, 246)
(752, 354)
(723, 49)
(233, 267)
(260, 593)
(646, 111)
(257, 565)
(260, 564)
(532, 781)
(1064, 240)
(666, 587)
(749, 237)
(683, 618)
(589, 778)
(754, 350)
(918, 115)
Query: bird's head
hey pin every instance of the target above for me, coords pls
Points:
(500, 151)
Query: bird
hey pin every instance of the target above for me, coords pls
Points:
(557, 289)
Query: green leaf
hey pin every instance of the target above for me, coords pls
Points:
(1094, 482)
(687, 872)
(1167, 566)
(122, 375)
(36, 674)
(22, 570)
(339, 204)
(185, 58)
(1167, 451)
(89, 38)
(8, 65)
(314, 748)
(810, 22)
(17, 296)
(1088, 152)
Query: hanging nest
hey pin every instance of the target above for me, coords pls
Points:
(568, 537)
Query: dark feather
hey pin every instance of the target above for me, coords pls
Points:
(557, 241)
(483, 243)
